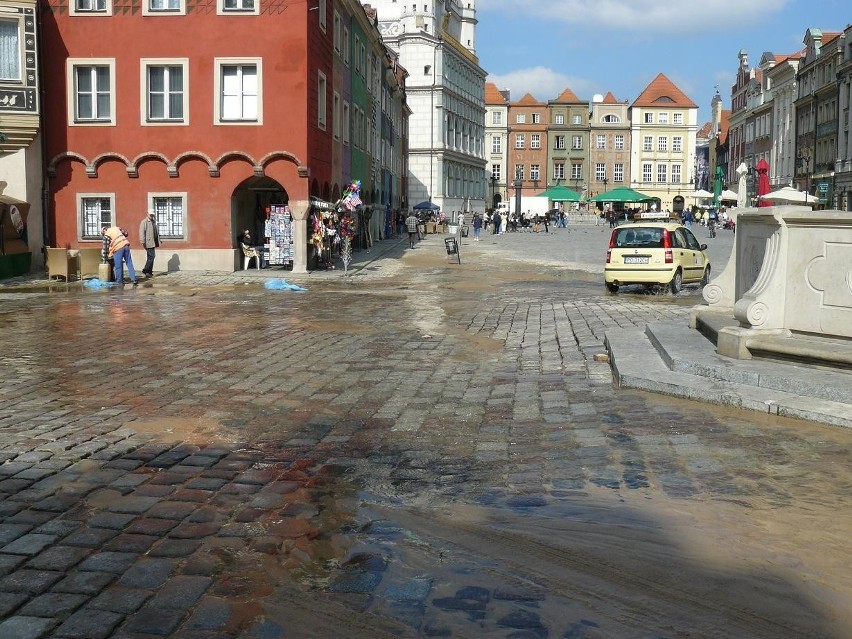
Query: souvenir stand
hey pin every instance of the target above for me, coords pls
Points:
(278, 231)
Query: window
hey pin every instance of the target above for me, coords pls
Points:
(521, 118)
(576, 171)
(663, 118)
(577, 119)
(559, 171)
(169, 211)
(89, 6)
(600, 142)
(536, 118)
(10, 50)
(91, 93)
(675, 173)
(600, 171)
(648, 143)
(322, 89)
(646, 172)
(95, 213)
(618, 172)
(338, 34)
(519, 171)
(559, 119)
(559, 142)
(576, 142)
(496, 144)
(535, 141)
(496, 117)
(159, 7)
(164, 91)
(649, 118)
(677, 118)
(535, 172)
(346, 122)
(661, 173)
(520, 141)
(238, 6)
(335, 116)
(346, 46)
(240, 96)
(321, 11)
(611, 119)
(496, 169)
(662, 143)
(677, 144)
(619, 142)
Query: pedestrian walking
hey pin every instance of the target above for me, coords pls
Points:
(116, 246)
(149, 237)
(546, 220)
(477, 226)
(497, 221)
(411, 223)
(563, 219)
(400, 223)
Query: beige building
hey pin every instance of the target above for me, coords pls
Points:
(568, 142)
(496, 141)
(662, 143)
(609, 143)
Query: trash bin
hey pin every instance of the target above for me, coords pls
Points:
(464, 231)
(452, 228)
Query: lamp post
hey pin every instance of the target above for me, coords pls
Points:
(493, 182)
(518, 184)
(803, 161)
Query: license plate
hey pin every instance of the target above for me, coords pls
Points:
(636, 259)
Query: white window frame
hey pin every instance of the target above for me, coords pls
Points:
(663, 118)
(145, 64)
(497, 144)
(619, 142)
(322, 14)
(576, 171)
(600, 141)
(559, 119)
(677, 118)
(520, 141)
(519, 171)
(600, 171)
(242, 10)
(676, 174)
(649, 118)
(496, 117)
(536, 118)
(218, 65)
(74, 10)
(335, 115)
(147, 10)
(577, 119)
(535, 172)
(647, 172)
(535, 140)
(677, 144)
(559, 171)
(164, 228)
(576, 142)
(496, 171)
(559, 143)
(663, 144)
(345, 46)
(648, 143)
(322, 100)
(96, 237)
(71, 66)
(521, 118)
(662, 173)
(618, 172)
(338, 34)
(347, 114)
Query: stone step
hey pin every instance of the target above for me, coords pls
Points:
(672, 359)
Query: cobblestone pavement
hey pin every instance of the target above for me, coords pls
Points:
(422, 449)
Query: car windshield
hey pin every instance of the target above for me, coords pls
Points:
(626, 237)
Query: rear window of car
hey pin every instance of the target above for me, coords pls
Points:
(626, 237)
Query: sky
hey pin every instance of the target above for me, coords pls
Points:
(594, 46)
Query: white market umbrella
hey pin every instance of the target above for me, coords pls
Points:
(789, 195)
(701, 194)
(729, 195)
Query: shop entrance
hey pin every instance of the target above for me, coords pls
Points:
(253, 203)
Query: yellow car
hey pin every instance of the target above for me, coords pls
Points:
(650, 253)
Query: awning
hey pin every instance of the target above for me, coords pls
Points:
(321, 204)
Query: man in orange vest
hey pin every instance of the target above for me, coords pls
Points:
(118, 250)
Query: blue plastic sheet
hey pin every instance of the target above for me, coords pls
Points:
(96, 283)
(282, 285)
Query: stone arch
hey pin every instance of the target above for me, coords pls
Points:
(279, 155)
(65, 155)
(135, 163)
(109, 156)
(190, 155)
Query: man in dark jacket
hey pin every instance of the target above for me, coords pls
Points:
(149, 236)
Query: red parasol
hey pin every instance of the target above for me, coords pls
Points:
(763, 181)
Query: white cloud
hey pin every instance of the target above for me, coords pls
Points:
(542, 82)
(639, 15)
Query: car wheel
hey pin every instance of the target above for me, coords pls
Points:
(677, 282)
(705, 280)
(612, 288)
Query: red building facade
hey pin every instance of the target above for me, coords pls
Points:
(205, 111)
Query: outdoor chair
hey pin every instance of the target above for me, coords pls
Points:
(90, 260)
(250, 253)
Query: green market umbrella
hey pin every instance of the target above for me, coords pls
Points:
(717, 186)
(621, 194)
(560, 193)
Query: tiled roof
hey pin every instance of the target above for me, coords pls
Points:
(609, 98)
(493, 95)
(705, 131)
(528, 100)
(567, 96)
(725, 124)
(663, 92)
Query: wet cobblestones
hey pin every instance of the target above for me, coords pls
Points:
(191, 461)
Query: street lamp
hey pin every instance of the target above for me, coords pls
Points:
(493, 182)
(518, 184)
(803, 161)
